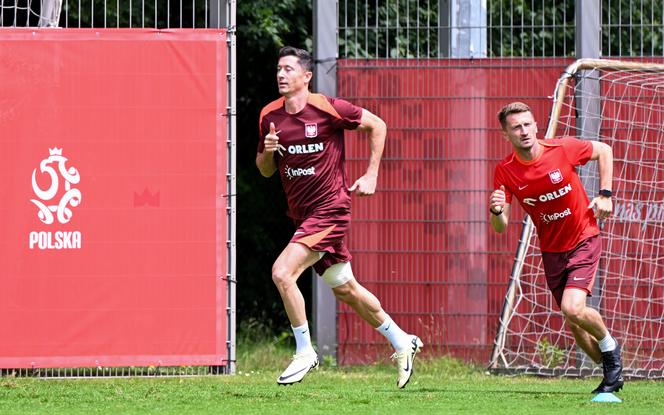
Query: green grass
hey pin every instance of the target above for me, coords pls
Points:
(438, 386)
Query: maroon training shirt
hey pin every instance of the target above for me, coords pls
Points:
(312, 167)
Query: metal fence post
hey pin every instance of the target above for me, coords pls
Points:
(462, 28)
(588, 45)
(324, 307)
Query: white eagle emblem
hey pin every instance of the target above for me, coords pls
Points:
(556, 176)
(311, 130)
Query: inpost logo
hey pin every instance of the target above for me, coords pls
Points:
(550, 217)
(292, 173)
(55, 202)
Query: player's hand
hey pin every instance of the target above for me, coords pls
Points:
(364, 186)
(497, 199)
(271, 142)
(603, 207)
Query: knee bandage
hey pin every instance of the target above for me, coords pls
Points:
(338, 274)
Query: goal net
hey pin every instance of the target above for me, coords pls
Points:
(621, 104)
(30, 13)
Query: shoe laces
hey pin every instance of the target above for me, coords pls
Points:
(399, 355)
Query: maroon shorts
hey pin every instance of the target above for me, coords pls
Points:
(575, 268)
(325, 233)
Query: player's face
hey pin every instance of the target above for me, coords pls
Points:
(291, 76)
(521, 130)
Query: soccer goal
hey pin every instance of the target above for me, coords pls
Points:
(18, 13)
(621, 104)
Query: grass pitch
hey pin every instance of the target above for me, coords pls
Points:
(443, 386)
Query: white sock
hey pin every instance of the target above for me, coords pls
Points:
(607, 344)
(302, 338)
(392, 332)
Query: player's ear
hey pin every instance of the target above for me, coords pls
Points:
(308, 75)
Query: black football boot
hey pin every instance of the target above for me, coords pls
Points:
(612, 366)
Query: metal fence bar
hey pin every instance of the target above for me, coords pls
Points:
(411, 29)
(159, 14)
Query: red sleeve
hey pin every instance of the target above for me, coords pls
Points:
(498, 180)
(577, 151)
(351, 115)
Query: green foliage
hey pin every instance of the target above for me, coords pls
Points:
(269, 24)
(524, 28)
(160, 14)
(258, 347)
(390, 29)
(515, 28)
(632, 28)
(410, 29)
(549, 354)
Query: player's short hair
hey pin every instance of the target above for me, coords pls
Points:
(511, 108)
(303, 57)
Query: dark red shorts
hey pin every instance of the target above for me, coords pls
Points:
(325, 233)
(575, 268)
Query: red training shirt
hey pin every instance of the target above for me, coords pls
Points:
(312, 167)
(550, 191)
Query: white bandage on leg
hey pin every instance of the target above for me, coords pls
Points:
(338, 274)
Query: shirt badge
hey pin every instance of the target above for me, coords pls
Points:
(556, 176)
(311, 130)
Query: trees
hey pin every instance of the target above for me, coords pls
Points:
(263, 229)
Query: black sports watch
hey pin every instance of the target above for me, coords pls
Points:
(605, 192)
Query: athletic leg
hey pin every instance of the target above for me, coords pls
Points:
(574, 308)
(362, 301)
(367, 306)
(288, 267)
(576, 311)
(587, 342)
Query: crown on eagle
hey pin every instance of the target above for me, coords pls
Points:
(55, 151)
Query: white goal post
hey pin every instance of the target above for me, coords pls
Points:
(621, 104)
(41, 13)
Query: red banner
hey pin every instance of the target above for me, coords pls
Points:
(113, 225)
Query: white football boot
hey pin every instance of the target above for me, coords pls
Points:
(301, 365)
(404, 359)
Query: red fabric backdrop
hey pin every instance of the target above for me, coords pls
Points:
(136, 115)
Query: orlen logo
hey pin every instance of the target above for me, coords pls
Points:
(549, 196)
(292, 173)
(306, 149)
(550, 217)
(54, 202)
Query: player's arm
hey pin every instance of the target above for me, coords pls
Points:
(603, 153)
(375, 126)
(499, 209)
(265, 161)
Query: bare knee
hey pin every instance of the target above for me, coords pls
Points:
(282, 277)
(572, 312)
